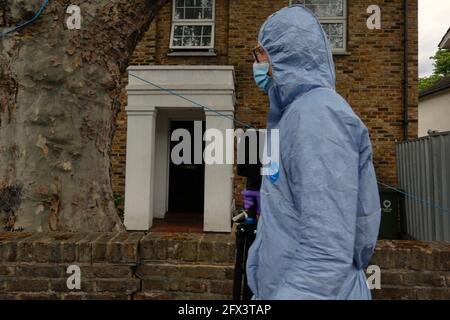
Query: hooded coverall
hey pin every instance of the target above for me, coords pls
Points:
(320, 213)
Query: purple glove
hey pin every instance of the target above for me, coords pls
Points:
(250, 198)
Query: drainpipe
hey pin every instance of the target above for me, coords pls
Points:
(405, 69)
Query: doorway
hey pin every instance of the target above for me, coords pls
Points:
(186, 181)
(147, 149)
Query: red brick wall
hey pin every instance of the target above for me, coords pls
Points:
(186, 266)
(369, 77)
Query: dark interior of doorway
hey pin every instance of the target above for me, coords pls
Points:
(186, 189)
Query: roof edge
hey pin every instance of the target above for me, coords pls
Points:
(438, 87)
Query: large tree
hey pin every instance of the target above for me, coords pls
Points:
(59, 92)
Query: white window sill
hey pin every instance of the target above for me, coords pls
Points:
(341, 53)
(191, 54)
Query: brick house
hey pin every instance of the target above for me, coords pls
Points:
(208, 59)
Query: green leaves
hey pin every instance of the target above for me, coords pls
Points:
(441, 69)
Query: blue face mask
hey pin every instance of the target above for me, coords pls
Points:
(262, 79)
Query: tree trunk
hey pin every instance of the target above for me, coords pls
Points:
(59, 93)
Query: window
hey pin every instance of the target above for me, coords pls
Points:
(332, 14)
(192, 24)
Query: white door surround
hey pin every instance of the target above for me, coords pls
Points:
(149, 112)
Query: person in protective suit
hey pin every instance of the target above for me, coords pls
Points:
(320, 213)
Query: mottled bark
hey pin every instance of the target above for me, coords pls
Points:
(59, 93)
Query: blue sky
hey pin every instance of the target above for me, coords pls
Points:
(434, 21)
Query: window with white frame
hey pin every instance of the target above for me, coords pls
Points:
(192, 24)
(332, 14)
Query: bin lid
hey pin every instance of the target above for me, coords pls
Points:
(388, 190)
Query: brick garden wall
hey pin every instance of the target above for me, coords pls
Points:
(33, 266)
(370, 76)
(413, 270)
(181, 266)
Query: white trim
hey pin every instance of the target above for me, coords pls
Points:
(343, 20)
(344, 48)
(211, 86)
(139, 186)
(213, 17)
(172, 34)
(193, 22)
(192, 53)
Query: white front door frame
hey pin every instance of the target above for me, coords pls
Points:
(162, 153)
(210, 86)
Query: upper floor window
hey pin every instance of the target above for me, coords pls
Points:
(332, 14)
(192, 24)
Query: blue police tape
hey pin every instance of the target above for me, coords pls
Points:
(23, 24)
(417, 199)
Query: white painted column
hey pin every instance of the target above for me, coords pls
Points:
(218, 182)
(162, 162)
(139, 178)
